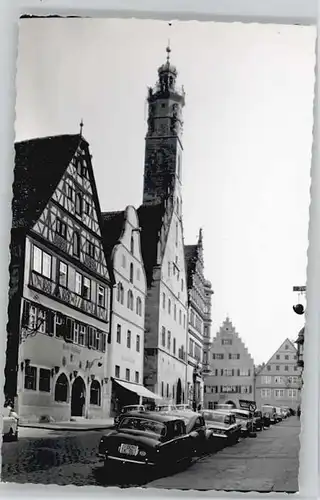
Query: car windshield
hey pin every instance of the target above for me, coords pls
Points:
(143, 425)
(216, 417)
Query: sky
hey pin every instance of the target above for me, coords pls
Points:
(247, 142)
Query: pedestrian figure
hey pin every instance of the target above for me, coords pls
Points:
(199, 407)
(299, 412)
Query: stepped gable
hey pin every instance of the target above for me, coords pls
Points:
(227, 327)
(39, 166)
(151, 219)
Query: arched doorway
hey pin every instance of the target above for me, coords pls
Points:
(78, 397)
(179, 391)
(231, 403)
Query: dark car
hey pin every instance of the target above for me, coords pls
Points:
(258, 420)
(148, 439)
(266, 419)
(195, 427)
(128, 409)
(225, 430)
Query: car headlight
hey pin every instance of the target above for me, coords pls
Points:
(142, 453)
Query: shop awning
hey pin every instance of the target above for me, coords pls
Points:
(138, 389)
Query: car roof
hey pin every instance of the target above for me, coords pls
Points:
(154, 415)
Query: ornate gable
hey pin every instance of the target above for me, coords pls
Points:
(70, 216)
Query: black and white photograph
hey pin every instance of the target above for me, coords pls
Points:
(158, 254)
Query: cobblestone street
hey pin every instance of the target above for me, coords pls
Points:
(266, 463)
(269, 462)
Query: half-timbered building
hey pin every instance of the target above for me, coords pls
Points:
(59, 296)
(121, 232)
(160, 215)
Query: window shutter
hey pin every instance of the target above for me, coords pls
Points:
(25, 314)
(50, 323)
(238, 372)
(68, 329)
(103, 341)
(90, 337)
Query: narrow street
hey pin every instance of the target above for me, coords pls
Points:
(266, 463)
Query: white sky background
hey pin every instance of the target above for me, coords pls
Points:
(247, 142)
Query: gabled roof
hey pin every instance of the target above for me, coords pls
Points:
(287, 340)
(112, 227)
(39, 166)
(150, 220)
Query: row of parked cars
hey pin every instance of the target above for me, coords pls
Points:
(169, 435)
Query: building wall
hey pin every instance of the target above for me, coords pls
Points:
(125, 319)
(47, 351)
(278, 383)
(172, 314)
(231, 369)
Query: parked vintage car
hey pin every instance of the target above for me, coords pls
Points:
(183, 407)
(258, 421)
(128, 409)
(196, 427)
(278, 415)
(225, 429)
(166, 408)
(150, 439)
(266, 418)
(245, 418)
(287, 411)
(271, 412)
(10, 424)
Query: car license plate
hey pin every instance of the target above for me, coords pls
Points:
(129, 449)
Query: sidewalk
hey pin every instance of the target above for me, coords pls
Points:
(91, 424)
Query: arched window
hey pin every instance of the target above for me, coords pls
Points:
(132, 244)
(76, 244)
(120, 293)
(131, 273)
(130, 300)
(95, 393)
(139, 306)
(78, 204)
(61, 389)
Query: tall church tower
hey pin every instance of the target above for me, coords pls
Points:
(163, 152)
(166, 307)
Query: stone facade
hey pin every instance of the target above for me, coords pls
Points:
(207, 324)
(198, 317)
(165, 366)
(231, 369)
(126, 347)
(278, 382)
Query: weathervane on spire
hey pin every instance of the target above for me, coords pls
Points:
(81, 126)
(168, 50)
